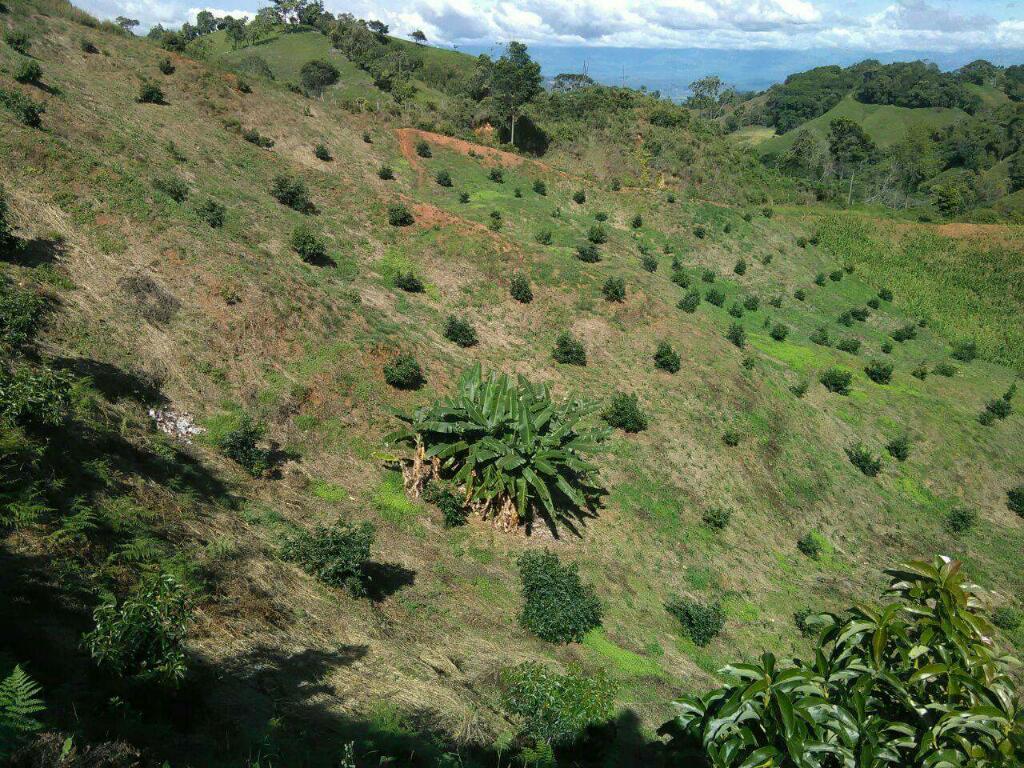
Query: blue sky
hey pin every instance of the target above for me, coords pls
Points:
(868, 25)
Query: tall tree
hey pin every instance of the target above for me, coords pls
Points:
(127, 24)
(851, 147)
(418, 36)
(206, 22)
(515, 81)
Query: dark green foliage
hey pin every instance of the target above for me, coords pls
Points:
(702, 622)
(837, 380)
(587, 252)
(624, 412)
(1006, 617)
(899, 447)
(690, 301)
(736, 310)
(321, 152)
(385, 173)
(166, 67)
(737, 335)
(707, 276)
(810, 545)
(986, 418)
(874, 303)
(443, 178)
(670, 198)
(460, 331)
(965, 350)
(748, 216)
(28, 71)
(800, 388)
(316, 75)
(403, 372)
(555, 709)
(34, 397)
(496, 175)
(906, 333)
(242, 445)
(519, 288)
(597, 234)
(1000, 408)
(423, 149)
(714, 296)
(700, 231)
(845, 319)
(767, 212)
(399, 215)
(17, 39)
(367, 139)
(569, 350)
(20, 314)
(740, 268)
(752, 303)
(821, 337)
(579, 197)
(557, 606)
(799, 294)
(731, 438)
(310, 247)
(144, 636)
(779, 332)
(88, 46)
(446, 497)
(336, 555)
(680, 278)
(945, 369)
(616, 185)
(495, 222)
(7, 239)
(920, 372)
(176, 189)
(1015, 500)
(819, 279)
(463, 197)
(601, 216)
(636, 222)
(716, 518)
(22, 107)
(212, 213)
(886, 347)
(150, 93)
(848, 344)
(408, 282)
(960, 520)
(20, 702)
(864, 460)
(885, 294)
(614, 289)
(878, 371)
(800, 620)
(649, 262)
(860, 314)
(291, 192)
(540, 187)
(666, 358)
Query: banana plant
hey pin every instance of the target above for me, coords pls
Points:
(916, 682)
(513, 449)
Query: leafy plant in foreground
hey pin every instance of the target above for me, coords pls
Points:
(336, 555)
(556, 709)
(624, 412)
(557, 606)
(569, 350)
(514, 450)
(241, 445)
(19, 704)
(837, 380)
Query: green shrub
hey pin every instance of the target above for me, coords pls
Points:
(463, 197)
(1006, 617)
(616, 185)
(899, 447)
(837, 380)
(150, 93)
(737, 335)
(597, 234)
(800, 620)
(176, 189)
(945, 369)
(7, 239)
(291, 192)
(588, 253)
(557, 606)
(707, 276)
(819, 279)
(26, 111)
(446, 497)
(835, 275)
(680, 278)
(636, 222)
(885, 294)
(649, 262)
(821, 337)
(409, 282)
(860, 314)
(403, 372)
(569, 350)
(878, 371)
(399, 215)
(443, 178)
(543, 237)
(385, 173)
(779, 332)
(886, 347)
(336, 555)
(579, 197)
(986, 418)
(873, 303)
(716, 518)
(700, 231)
(554, 709)
(321, 152)
(367, 139)
(810, 545)
(965, 350)
(1015, 500)
(714, 296)
(211, 212)
(496, 175)
(845, 319)
(310, 247)
(28, 71)
(495, 222)
(88, 46)
(906, 333)
(799, 294)
(1000, 408)
(767, 212)
(144, 636)
(666, 358)
(242, 445)
(540, 187)
(423, 149)
(848, 344)
(752, 303)
(21, 312)
(736, 310)
(690, 301)
(748, 216)
(517, 192)
(670, 198)
(740, 268)
(34, 397)
(731, 438)
(460, 331)
(614, 289)
(800, 388)
(960, 520)
(18, 40)
(864, 460)
(624, 412)
(519, 288)
(702, 622)
(601, 216)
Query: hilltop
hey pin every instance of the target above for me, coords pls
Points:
(205, 292)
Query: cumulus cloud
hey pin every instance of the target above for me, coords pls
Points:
(867, 24)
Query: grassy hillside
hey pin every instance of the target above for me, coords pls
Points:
(151, 307)
(883, 123)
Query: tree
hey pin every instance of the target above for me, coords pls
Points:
(379, 29)
(567, 82)
(1017, 172)
(236, 31)
(704, 92)
(127, 24)
(262, 25)
(806, 158)
(418, 36)
(206, 22)
(317, 75)
(850, 146)
(515, 81)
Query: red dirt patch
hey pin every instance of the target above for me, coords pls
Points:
(407, 138)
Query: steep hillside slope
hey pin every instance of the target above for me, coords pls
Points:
(151, 307)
